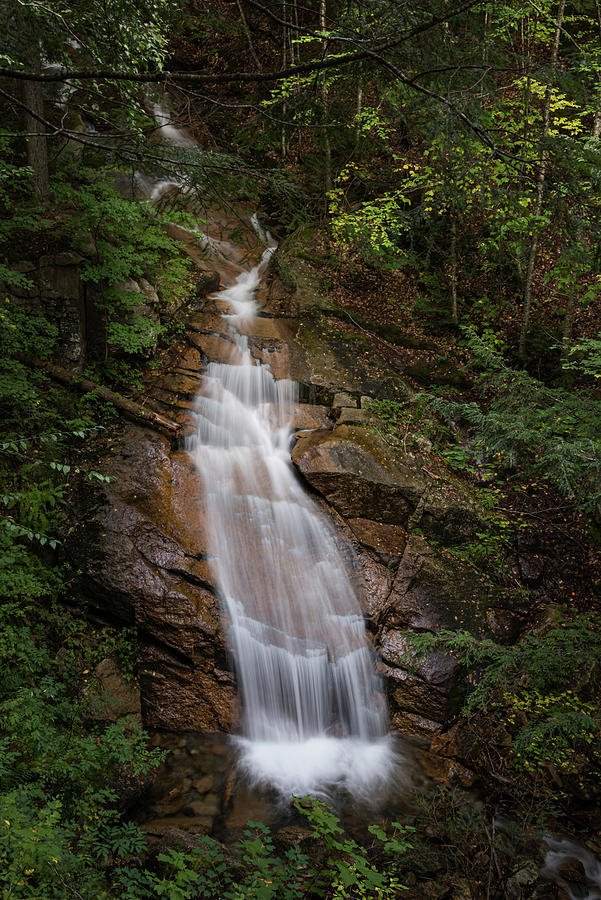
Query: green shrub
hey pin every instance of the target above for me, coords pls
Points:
(541, 431)
(544, 690)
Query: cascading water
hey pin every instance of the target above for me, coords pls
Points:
(314, 716)
(313, 712)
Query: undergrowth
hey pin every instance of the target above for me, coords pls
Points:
(543, 693)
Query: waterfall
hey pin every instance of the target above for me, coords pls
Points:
(314, 715)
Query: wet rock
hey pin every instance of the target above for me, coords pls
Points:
(417, 728)
(572, 871)
(351, 416)
(361, 477)
(295, 836)
(173, 838)
(420, 687)
(216, 347)
(411, 694)
(435, 667)
(248, 806)
(374, 583)
(141, 553)
(171, 805)
(203, 784)
(349, 467)
(342, 400)
(163, 827)
(445, 771)
(207, 282)
(309, 416)
(546, 891)
(118, 697)
(179, 696)
(207, 807)
(458, 742)
(264, 328)
(332, 361)
(434, 590)
(387, 542)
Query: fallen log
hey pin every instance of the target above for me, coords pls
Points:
(128, 408)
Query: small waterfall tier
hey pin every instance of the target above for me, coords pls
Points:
(314, 716)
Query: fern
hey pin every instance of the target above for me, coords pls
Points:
(543, 432)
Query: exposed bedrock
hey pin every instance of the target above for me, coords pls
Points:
(142, 551)
(142, 562)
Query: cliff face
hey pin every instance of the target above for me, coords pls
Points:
(142, 553)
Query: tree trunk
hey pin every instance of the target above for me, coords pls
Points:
(454, 313)
(37, 147)
(568, 324)
(540, 189)
(358, 111)
(127, 408)
(597, 119)
(327, 174)
(568, 319)
(249, 39)
(284, 60)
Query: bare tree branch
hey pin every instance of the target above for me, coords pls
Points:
(237, 77)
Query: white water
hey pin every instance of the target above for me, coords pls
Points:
(169, 133)
(561, 852)
(313, 712)
(314, 716)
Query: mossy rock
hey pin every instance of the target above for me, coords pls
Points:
(361, 476)
(345, 365)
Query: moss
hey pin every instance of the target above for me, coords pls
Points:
(356, 338)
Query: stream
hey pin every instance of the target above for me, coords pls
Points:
(314, 715)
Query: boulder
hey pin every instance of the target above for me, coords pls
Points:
(347, 368)
(363, 478)
(433, 590)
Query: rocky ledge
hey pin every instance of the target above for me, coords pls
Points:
(141, 550)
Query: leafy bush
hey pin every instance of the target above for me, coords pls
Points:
(543, 432)
(120, 239)
(253, 870)
(544, 690)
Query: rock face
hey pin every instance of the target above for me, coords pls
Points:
(142, 563)
(142, 552)
(76, 308)
(56, 286)
(360, 477)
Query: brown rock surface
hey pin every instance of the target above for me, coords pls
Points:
(386, 542)
(434, 590)
(143, 562)
(362, 478)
